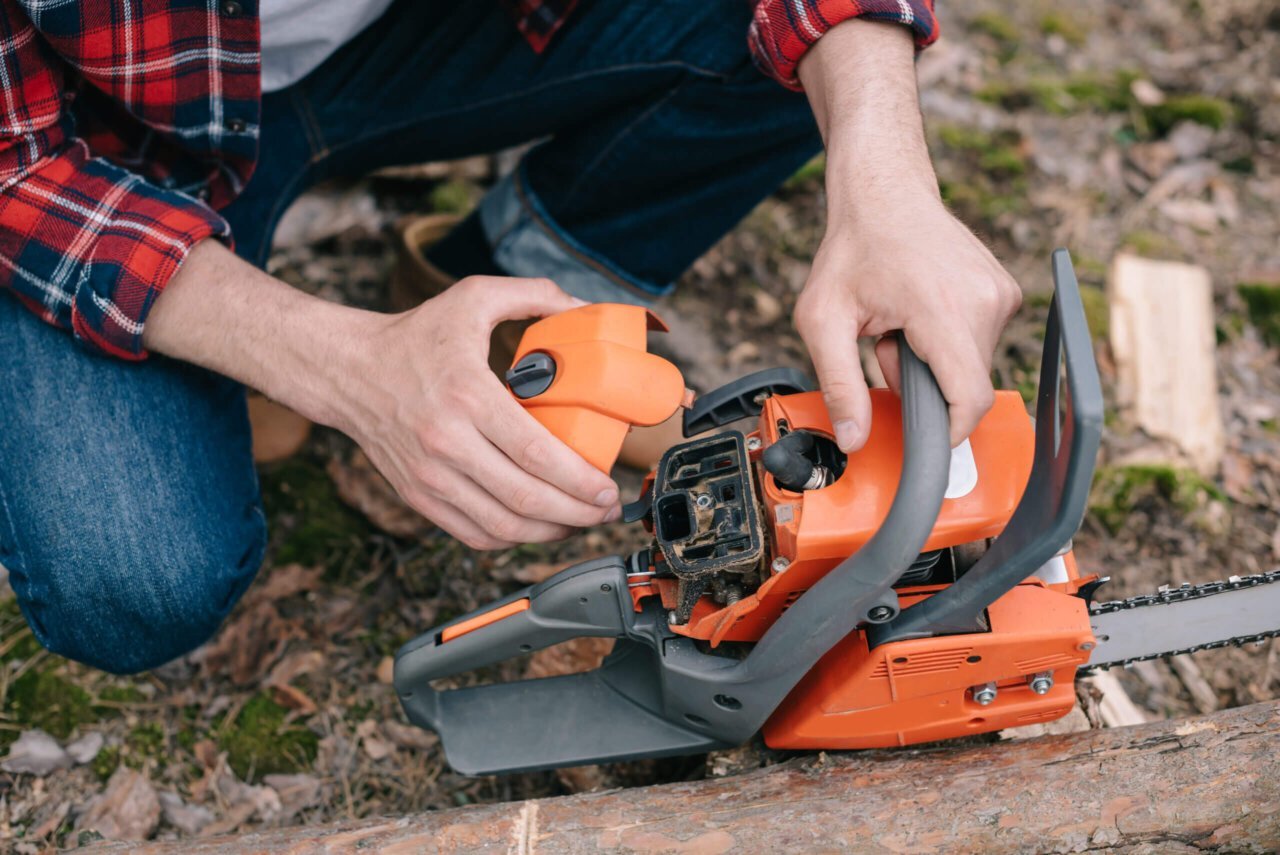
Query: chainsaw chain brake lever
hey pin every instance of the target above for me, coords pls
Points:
(1068, 433)
(658, 694)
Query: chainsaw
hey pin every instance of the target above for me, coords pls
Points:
(904, 593)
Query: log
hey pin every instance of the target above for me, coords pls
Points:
(1174, 786)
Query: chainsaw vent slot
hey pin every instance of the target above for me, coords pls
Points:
(930, 662)
(1044, 715)
(1045, 663)
(791, 599)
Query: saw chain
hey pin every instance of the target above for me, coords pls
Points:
(1184, 595)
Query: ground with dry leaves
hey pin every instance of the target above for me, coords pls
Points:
(1151, 126)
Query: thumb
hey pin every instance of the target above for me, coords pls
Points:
(833, 346)
(510, 298)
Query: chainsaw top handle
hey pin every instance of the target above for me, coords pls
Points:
(658, 693)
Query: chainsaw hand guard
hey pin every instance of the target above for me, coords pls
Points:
(658, 694)
(1068, 433)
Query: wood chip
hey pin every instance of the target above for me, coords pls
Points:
(1162, 338)
(1202, 694)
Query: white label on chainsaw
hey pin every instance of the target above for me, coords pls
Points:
(963, 476)
(1053, 571)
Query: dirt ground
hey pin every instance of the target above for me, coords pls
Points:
(1150, 126)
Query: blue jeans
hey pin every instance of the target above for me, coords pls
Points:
(130, 517)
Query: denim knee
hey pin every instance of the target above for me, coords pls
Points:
(129, 610)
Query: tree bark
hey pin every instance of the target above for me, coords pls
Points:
(1195, 785)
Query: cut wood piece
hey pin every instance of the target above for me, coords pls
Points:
(1163, 341)
(278, 432)
(1115, 706)
(1202, 694)
(1213, 782)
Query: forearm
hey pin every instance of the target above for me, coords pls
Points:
(861, 82)
(222, 313)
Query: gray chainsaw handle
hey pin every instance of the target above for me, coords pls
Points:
(584, 600)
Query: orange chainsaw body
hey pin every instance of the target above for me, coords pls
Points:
(899, 693)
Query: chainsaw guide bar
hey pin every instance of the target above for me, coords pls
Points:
(1186, 619)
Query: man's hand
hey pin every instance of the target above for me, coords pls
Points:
(414, 390)
(893, 257)
(457, 447)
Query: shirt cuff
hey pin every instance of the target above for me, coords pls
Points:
(127, 270)
(782, 31)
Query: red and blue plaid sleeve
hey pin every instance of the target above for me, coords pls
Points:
(784, 29)
(85, 244)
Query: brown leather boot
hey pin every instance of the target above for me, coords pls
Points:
(415, 280)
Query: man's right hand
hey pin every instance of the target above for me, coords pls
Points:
(456, 445)
(414, 390)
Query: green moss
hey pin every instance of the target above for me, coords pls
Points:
(998, 27)
(1263, 305)
(1202, 109)
(1242, 165)
(259, 742)
(1064, 96)
(40, 698)
(1057, 23)
(104, 765)
(147, 740)
(814, 170)
(453, 197)
(1097, 311)
(310, 523)
(998, 154)
(1151, 245)
(1118, 490)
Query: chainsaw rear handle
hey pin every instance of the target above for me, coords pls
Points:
(658, 694)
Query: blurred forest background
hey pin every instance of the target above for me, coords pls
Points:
(1150, 127)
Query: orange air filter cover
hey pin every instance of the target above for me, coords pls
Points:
(587, 376)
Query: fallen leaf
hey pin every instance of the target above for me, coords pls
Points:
(246, 647)
(362, 487)
(768, 307)
(278, 432)
(292, 697)
(582, 779)
(295, 665)
(189, 819)
(569, 657)
(263, 802)
(408, 736)
(206, 752)
(285, 582)
(36, 753)
(84, 749)
(386, 670)
(372, 741)
(51, 823)
(297, 792)
(128, 808)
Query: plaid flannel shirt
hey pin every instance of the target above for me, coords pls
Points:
(125, 125)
